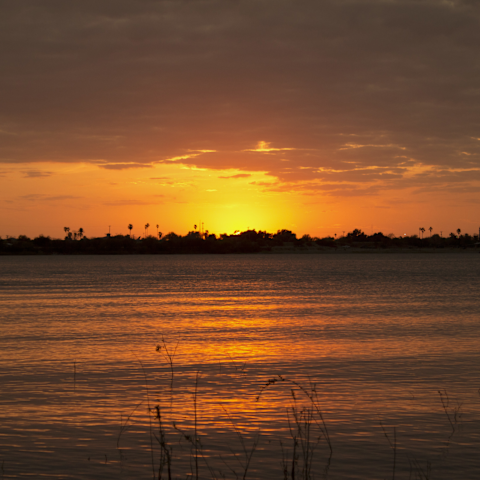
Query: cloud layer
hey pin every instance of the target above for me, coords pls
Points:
(346, 96)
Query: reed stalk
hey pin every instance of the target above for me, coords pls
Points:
(392, 445)
(168, 354)
(307, 430)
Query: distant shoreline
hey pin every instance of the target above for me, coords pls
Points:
(274, 252)
(251, 241)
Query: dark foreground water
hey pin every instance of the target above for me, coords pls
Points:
(384, 348)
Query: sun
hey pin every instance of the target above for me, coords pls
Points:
(239, 217)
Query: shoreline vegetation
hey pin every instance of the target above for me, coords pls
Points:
(250, 241)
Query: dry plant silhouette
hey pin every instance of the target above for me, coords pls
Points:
(305, 448)
(168, 353)
(392, 445)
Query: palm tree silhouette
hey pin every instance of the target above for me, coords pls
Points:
(422, 230)
(157, 230)
(430, 231)
(458, 231)
(80, 232)
(159, 235)
(130, 226)
(146, 229)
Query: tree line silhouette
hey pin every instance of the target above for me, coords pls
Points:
(249, 241)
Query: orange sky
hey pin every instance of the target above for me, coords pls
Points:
(176, 197)
(318, 117)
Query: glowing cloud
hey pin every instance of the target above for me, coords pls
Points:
(265, 147)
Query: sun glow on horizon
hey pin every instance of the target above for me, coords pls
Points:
(176, 195)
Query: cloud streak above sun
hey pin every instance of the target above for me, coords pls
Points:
(338, 98)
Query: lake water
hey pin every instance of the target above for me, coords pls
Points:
(379, 336)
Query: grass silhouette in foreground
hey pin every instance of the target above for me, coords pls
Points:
(305, 453)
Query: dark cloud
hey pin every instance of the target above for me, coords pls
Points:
(238, 175)
(123, 166)
(36, 174)
(38, 197)
(347, 84)
(132, 202)
(329, 189)
(264, 184)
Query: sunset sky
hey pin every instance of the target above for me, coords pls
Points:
(315, 116)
